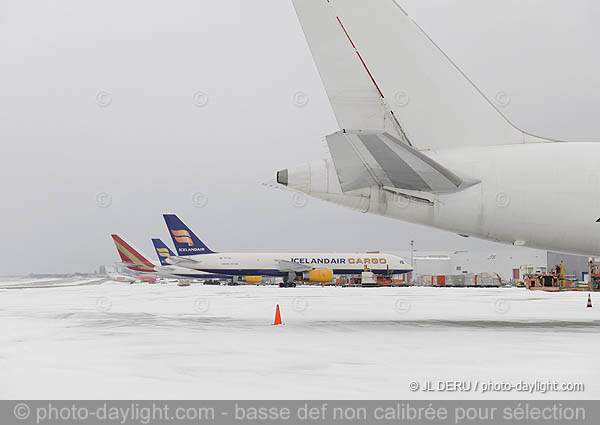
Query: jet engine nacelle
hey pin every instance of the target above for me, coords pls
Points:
(252, 279)
(319, 275)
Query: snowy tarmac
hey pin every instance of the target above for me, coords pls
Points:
(93, 339)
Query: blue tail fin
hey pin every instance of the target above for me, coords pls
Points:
(163, 251)
(186, 242)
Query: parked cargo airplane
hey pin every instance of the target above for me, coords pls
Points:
(194, 254)
(419, 142)
(133, 259)
(164, 253)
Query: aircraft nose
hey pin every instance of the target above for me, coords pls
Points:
(282, 177)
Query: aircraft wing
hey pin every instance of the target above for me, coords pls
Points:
(370, 158)
(290, 266)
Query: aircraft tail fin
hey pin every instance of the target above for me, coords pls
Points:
(186, 242)
(383, 73)
(163, 251)
(132, 257)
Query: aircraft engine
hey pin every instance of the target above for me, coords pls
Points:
(319, 275)
(252, 279)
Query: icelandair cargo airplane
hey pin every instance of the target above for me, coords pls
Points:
(419, 142)
(194, 254)
(163, 252)
(133, 259)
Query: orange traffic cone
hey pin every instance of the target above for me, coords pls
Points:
(277, 316)
(589, 304)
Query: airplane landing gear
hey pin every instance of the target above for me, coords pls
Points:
(288, 281)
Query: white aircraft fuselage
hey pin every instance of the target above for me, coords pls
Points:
(542, 195)
(280, 264)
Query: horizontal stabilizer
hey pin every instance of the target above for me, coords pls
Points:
(182, 262)
(367, 158)
(126, 264)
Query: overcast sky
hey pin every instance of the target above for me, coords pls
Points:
(112, 113)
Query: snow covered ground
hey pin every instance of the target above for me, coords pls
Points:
(114, 340)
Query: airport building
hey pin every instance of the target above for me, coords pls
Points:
(508, 265)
